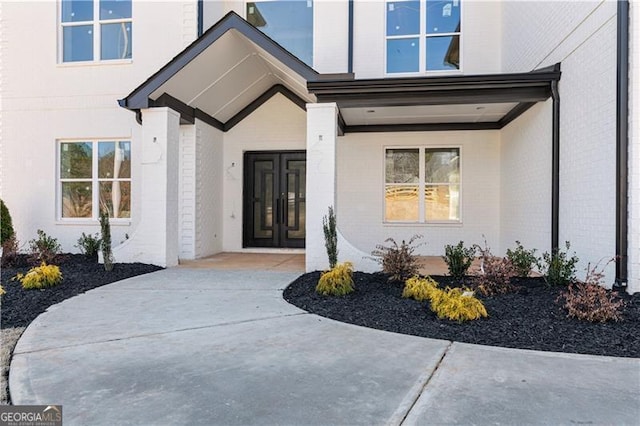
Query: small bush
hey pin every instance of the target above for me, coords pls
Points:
(522, 260)
(330, 237)
(105, 228)
(9, 251)
(40, 277)
(44, 248)
(458, 259)
(89, 245)
(457, 305)
(2, 290)
(495, 273)
(336, 282)
(590, 301)
(398, 260)
(6, 225)
(559, 269)
(419, 288)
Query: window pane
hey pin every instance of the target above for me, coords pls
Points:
(115, 9)
(77, 43)
(443, 16)
(75, 160)
(403, 18)
(116, 194)
(114, 160)
(76, 199)
(403, 55)
(77, 10)
(442, 165)
(443, 53)
(442, 202)
(290, 23)
(116, 41)
(402, 166)
(401, 203)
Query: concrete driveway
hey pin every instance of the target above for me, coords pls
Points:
(198, 346)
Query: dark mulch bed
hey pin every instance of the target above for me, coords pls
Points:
(529, 318)
(20, 307)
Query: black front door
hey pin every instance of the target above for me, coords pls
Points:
(274, 199)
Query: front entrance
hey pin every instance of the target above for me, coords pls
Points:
(274, 199)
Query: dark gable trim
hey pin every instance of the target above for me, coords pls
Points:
(278, 88)
(516, 112)
(139, 98)
(189, 114)
(622, 145)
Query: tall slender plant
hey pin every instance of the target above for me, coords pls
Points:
(330, 237)
(105, 228)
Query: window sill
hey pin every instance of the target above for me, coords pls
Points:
(92, 222)
(439, 73)
(95, 63)
(452, 224)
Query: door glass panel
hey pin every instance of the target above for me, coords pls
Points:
(296, 191)
(263, 210)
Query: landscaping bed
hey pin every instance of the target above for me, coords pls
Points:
(528, 318)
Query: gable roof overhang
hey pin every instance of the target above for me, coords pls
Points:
(464, 102)
(224, 75)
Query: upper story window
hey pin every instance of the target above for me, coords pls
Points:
(288, 22)
(96, 30)
(422, 35)
(422, 185)
(94, 175)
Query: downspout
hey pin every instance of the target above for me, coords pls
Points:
(350, 41)
(200, 17)
(555, 167)
(622, 145)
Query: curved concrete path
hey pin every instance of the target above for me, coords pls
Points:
(188, 346)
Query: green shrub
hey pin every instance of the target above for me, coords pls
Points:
(558, 267)
(522, 260)
(457, 304)
(330, 237)
(419, 288)
(398, 260)
(89, 245)
(40, 277)
(44, 248)
(336, 282)
(458, 259)
(105, 228)
(6, 225)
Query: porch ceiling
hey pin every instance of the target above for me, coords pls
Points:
(224, 75)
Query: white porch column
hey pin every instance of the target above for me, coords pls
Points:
(322, 133)
(155, 239)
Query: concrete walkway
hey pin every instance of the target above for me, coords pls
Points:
(195, 346)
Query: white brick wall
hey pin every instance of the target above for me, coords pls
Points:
(360, 183)
(188, 198)
(526, 180)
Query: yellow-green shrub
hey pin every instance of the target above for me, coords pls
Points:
(457, 305)
(419, 288)
(336, 282)
(2, 291)
(40, 277)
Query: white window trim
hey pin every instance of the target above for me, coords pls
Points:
(97, 36)
(95, 184)
(421, 185)
(422, 40)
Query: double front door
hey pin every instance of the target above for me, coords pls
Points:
(274, 199)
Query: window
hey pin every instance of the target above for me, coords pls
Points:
(95, 30)
(422, 185)
(94, 175)
(422, 35)
(288, 22)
